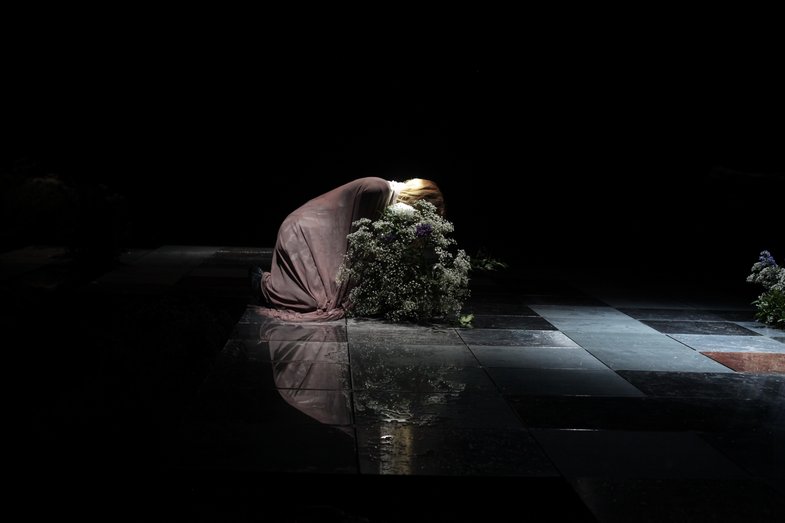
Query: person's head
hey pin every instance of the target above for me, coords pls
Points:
(421, 189)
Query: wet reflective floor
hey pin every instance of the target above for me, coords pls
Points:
(578, 400)
(650, 412)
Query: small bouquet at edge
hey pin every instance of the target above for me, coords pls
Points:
(770, 304)
(406, 266)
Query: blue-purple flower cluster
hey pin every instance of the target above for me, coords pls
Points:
(767, 259)
(423, 229)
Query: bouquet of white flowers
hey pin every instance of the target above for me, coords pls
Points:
(406, 266)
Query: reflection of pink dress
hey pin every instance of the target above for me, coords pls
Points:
(310, 248)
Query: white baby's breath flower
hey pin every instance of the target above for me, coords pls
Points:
(405, 266)
(403, 209)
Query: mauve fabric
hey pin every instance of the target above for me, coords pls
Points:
(310, 247)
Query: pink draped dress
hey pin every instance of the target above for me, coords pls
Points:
(310, 247)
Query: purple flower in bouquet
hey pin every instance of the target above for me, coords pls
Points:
(767, 259)
(423, 229)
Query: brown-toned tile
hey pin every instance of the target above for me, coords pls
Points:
(761, 362)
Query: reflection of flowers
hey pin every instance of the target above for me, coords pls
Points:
(406, 266)
(771, 303)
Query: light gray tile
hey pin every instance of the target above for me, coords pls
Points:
(622, 340)
(536, 357)
(673, 359)
(725, 343)
(672, 314)
(578, 312)
(570, 325)
(761, 328)
(514, 337)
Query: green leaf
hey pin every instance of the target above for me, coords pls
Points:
(466, 320)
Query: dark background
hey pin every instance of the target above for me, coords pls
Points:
(627, 151)
(656, 152)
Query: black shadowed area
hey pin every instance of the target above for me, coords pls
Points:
(614, 371)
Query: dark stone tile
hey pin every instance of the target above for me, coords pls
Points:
(493, 305)
(646, 413)
(379, 334)
(521, 338)
(261, 447)
(254, 314)
(748, 315)
(330, 407)
(549, 299)
(392, 448)
(494, 294)
(634, 454)
(708, 385)
(535, 283)
(438, 410)
(236, 369)
(672, 314)
(395, 355)
(756, 362)
(487, 321)
(219, 400)
(311, 375)
(267, 351)
(699, 500)
(420, 379)
(241, 257)
(204, 495)
(278, 331)
(757, 449)
(699, 327)
(561, 382)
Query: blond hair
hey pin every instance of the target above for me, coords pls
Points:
(421, 189)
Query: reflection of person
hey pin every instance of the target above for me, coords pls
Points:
(311, 245)
(308, 371)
